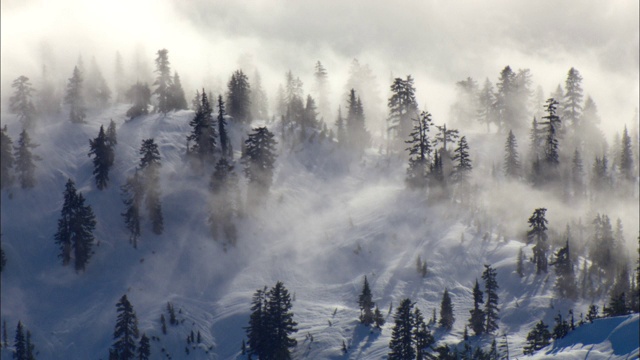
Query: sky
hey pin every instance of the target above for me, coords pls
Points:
(437, 42)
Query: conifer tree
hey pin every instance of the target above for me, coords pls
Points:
(31, 348)
(225, 143)
(626, 157)
(239, 97)
(24, 161)
(463, 166)
(401, 344)
(150, 168)
(139, 95)
(446, 311)
(112, 136)
(491, 304)
(74, 97)
(551, 155)
(203, 134)
(520, 263)
(259, 101)
(565, 277)
(223, 185)
(103, 158)
(538, 233)
(464, 110)
(21, 102)
(7, 160)
(63, 236)
(366, 304)
(341, 132)
(505, 100)
(378, 319)
(259, 160)
(402, 108)
(144, 348)
(20, 344)
(322, 89)
(419, 151)
(477, 319)
(357, 134)
(561, 327)
(445, 136)
(133, 194)
(511, 158)
(422, 337)
(577, 174)
(486, 101)
(177, 99)
(572, 101)
(125, 334)
(257, 329)
(537, 338)
(163, 82)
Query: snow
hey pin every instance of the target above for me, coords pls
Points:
(323, 229)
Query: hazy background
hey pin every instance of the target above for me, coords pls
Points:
(437, 42)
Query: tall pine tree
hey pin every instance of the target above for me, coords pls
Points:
(74, 97)
(103, 159)
(21, 102)
(7, 160)
(491, 304)
(125, 334)
(24, 161)
(538, 233)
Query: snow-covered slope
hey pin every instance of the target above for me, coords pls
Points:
(322, 230)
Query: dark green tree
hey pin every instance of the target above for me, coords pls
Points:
(538, 233)
(626, 157)
(103, 158)
(259, 159)
(257, 331)
(139, 95)
(177, 99)
(511, 158)
(163, 82)
(561, 327)
(463, 161)
(20, 344)
(446, 311)
(7, 160)
(378, 319)
(401, 344)
(572, 101)
(132, 196)
(421, 335)
(551, 154)
(491, 304)
(537, 338)
(239, 97)
(24, 161)
(419, 151)
(402, 108)
(112, 136)
(125, 334)
(366, 304)
(477, 319)
(280, 320)
(21, 102)
(144, 348)
(203, 134)
(74, 97)
(565, 277)
(357, 134)
(150, 169)
(225, 142)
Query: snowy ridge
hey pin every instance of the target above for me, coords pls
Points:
(321, 232)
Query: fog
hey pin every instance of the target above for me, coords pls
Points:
(439, 43)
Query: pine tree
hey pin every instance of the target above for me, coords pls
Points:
(561, 327)
(177, 99)
(257, 331)
(445, 136)
(239, 97)
(259, 101)
(401, 343)
(419, 151)
(7, 160)
(139, 95)
(537, 338)
(223, 185)
(225, 143)
(280, 320)
(24, 161)
(486, 101)
(491, 305)
(163, 324)
(357, 134)
(551, 155)
(21, 102)
(477, 319)
(626, 157)
(572, 101)
(150, 167)
(565, 277)
(203, 134)
(133, 194)
(538, 233)
(82, 227)
(322, 89)
(112, 137)
(463, 166)
(378, 319)
(20, 344)
(446, 311)
(74, 97)
(593, 313)
(520, 263)
(577, 174)
(163, 81)
(341, 132)
(126, 330)
(511, 160)
(144, 348)
(505, 100)
(103, 158)
(259, 159)
(402, 108)
(64, 235)
(421, 335)
(465, 109)
(366, 304)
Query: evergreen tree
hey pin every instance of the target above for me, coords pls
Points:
(239, 97)
(401, 343)
(593, 313)
(577, 174)
(163, 82)
(126, 331)
(486, 101)
(445, 136)
(357, 134)
(223, 185)
(463, 166)
(520, 263)
(551, 155)
(465, 109)
(150, 168)
(565, 278)
(24, 161)
(626, 157)
(259, 159)
(20, 344)
(446, 311)
(280, 320)
(144, 348)
(139, 95)
(421, 335)
(112, 137)
(21, 102)
(477, 319)
(511, 159)
(537, 338)
(419, 151)
(103, 158)
(133, 194)
(491, 305)
(74, 97)
(402, 108)
(561, 327)
(259, 101)
(505, 100)
(572, 101)
(257, 331)
(203, 134)
(7, 160)
(341, 132)
(322, 89)
(177, 99)
(225, 143)
(31, 348)
(378, 319)
(538, 233)
(366, 304)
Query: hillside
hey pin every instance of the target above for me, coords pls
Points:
(321, 231)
